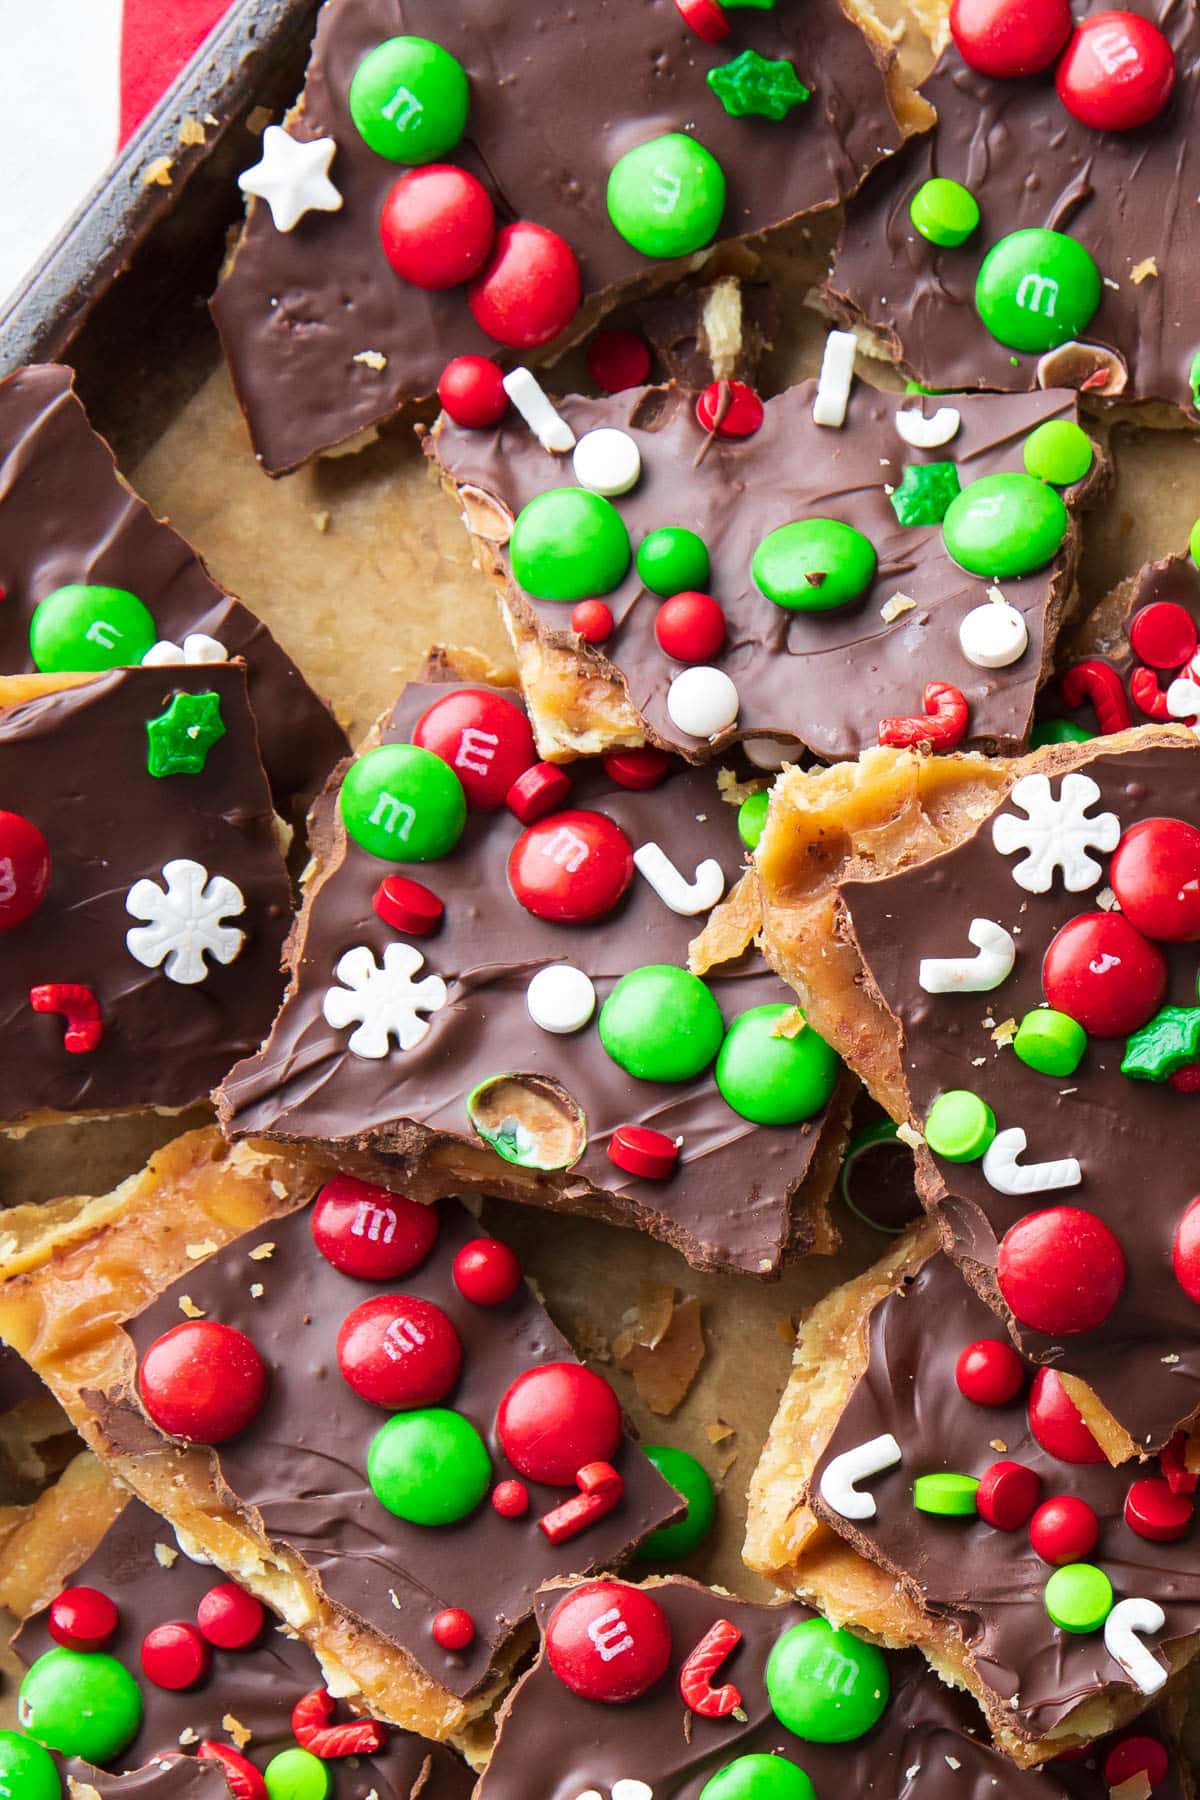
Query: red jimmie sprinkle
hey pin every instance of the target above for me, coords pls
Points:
(601, 1490)
(695, 1677)
(313, 1732)
(1098, 682)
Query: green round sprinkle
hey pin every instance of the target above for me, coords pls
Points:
(403, 803)
(826, 1686)
(759, 1777)
(1003, 526)
(960, 1126)
(814, 565)
(1078, 1597)
(1194, 543)
(429, 1466)
(772, 1079)
(1059, 451)
(673, 560)
(568, 544)
(752, 818)
(1036, 289)
(666, 197)
(944, 211)
(1058, 731)
(1050, 1042)
(297, 1775)
(27, 1772)
(672, 1542)
(661, 1023)
(953, 1496)
(80, 628)
(409, 100)
(80, 1704)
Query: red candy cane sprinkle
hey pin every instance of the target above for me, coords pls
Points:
(313, 1732)
(943, 726)
(705, 18)
(79, 1006)
(243, 1779)
(1098, 682)
(601, 1490)
(695, 1677)
(1148, 696)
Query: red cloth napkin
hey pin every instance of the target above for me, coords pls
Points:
(156, 42)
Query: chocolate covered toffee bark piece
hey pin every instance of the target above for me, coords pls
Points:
(143, 897)
(1133, 658)
(678, 1692)
(223, 1341)
(851, 573)
(1058, 1589)
(548, 1042)
(1080, 268)
(1005, 952)
(91, 580)
(576, 161)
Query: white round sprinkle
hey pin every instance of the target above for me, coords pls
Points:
(993, 635)
(702, 701)
(770, 753)
(607, 461)
(560, 999)
(191, 1549)
(631, 1790)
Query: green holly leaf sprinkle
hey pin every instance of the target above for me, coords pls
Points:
(1165, 1043)
(925, 492)
(752, 84)
(759, 5)
(181, 737)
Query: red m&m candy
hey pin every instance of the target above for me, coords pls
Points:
(593, 620)
(399, 1351)
(529, 289)
(1060, 1271)
(1064, 1530)
(370, 1233)
(989, 1372)
(229, 1617)
(1185, 1252)
(1057, 1423)
(24, 869)
(471, 388)
(82, 1618)
(1137, 1754)
(486, 740)
(1155, 874)
(608, 1642)
(1117, 73)
(453, 1629)
(690, 627)
(1154, 1512)
(556, 1418)
(1104, 974)
(730, 408)
(1007, 38)
(202, 1381)
(1163, 634)
(175, 1656)
(618, 359)
(1007, 1494)
(437, 226)
(571, 867)
(486, 1272)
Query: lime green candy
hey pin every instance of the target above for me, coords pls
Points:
(772, 1079)
(944, 211)
(1058, 451)
(960, 1126)
(953, 1496)
(1194, 543)
(826, 1686)
(1002, 526)
(1050, 1042)
(666, 197)
(673, 560)
(752, 818)
(814, 565)
(409, 100)
(568, 544)
(684, 1473)
(81, 628)
(661, 1023)
(297, 1775)
(1078, 1597)
(1036, 289)
(403, 803)
(759, 1778)
(429, 1466)
(27, 1772)
(80, 1704)
(1058, 731)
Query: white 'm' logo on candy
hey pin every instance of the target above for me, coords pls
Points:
(1036, 288)
(1113, 49)
(377, 1223)
(476, 750)
(394, 815)
(402, 108)
(606, 1634)
(566, 848)
(838, 1673)
(8, 881)
(665, 189)
(401, 1338)
(102, 633)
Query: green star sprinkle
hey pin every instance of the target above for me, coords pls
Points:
(925, 493)
(1165, 1043)
(751, 84)
(181, 738)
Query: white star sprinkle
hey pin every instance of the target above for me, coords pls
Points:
(293, 177)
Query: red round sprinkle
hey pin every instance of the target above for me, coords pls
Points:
(1154, 1512)
(399, 1351)
(690, 627)
(618, 359)
(437, 226)
(486, 1272)
(453, 1629)
(1185, 1252)
(1163, 634)
(1117, 73)
(556, 1418)
(511, 1499)
(1057, 1423)
(1186, 1080)
(229, 1617)
(1007, 1494)
(408, 906)
(608, 1642)
(593, 620)
(369, 1232)
(1155, 874)
(1103, 973)
(571, 868)
(175, 1656)
(1007, 38)
(637, 769)
(1060, 1271)
(82, 1618)
(706, 18)
(24, 869)
(202, 1381)
(989, 1372)
(545, 788)
(529, 289)
(730, 408)
(650, 1155)
(1136, 1755)
(471, 388)
(486, 740)
(244, 1780)
(1064, 1530)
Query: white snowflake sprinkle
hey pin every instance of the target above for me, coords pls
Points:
(185, 921)
(386, 1001)
(1056, 833)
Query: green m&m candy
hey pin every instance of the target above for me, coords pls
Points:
(1058, 731)
(666, 198)
(403, 803)
(1036, 289)
(1050, 1042)
(1194, 543)
(80, 628)
(951, 1496)
(409, 100)
(27, 1772)
(944, 211)
(673, 560)
(429, 1466)
(672, 1542)
(814, 565)
(959, 1126)
(759, 1778)
(1058, 451)
(568, 544)
(661, 1023)
(1002, 526)
(81, 1704)
(826, 1686)
(772, 1078)
(297, 1775)
(1078, 1597)
(752, 818)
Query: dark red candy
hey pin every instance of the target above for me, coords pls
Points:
(202, 1381)
(486, 740)
(706, 18)
(1060, 1271)
(486, 1272)
(1104, 974)
(244, 1780)
(437, 226)
(989, 1372)
(529, 289)
(618, 359)
(556, 1418)
(608, 1642)
(1137, 1754)
(175, 1656)
(399, 1351)
(1172, 1460)
(637, 769)
(229, 1617)
(24, 869)
(650, 1155)
(1057, 1423)
(730, 408)
(1163, 634)
(1007, 38)
(1185, 1080)
(471, 388)
(408, 906)
(572, 867)
(1155, 874)
(1117, 73)
(453, 1629)
(690, 627)
(1154, 1512)
(1064, 1530)
(369, 1232)
(1185, 1252)
(593, 620)
(1007, 1494)
(543, 789)
(511, 1499)
(82, 1618)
